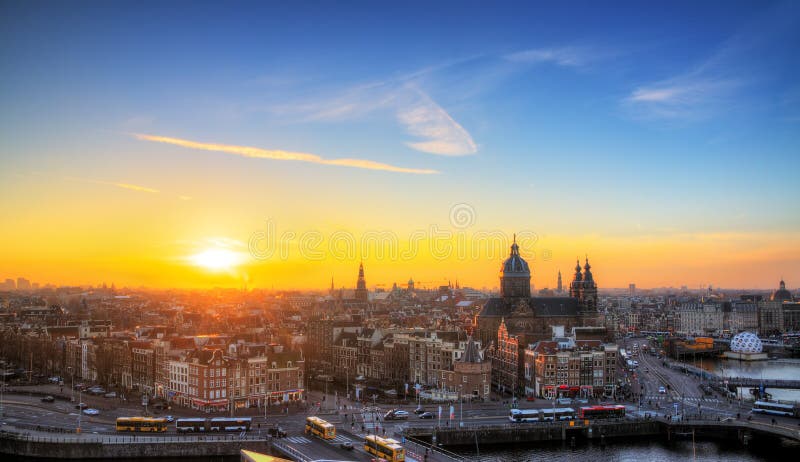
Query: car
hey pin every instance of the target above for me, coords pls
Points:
(419, 410)
(169, 418)
(582, 401)
(111, 394)
(530, 398)
(347, 445)
(48, 399)
(55, 379)
(81, 406)
(426, 415)
(662, 390)
(564, 401)
(400, 415)
(91, 411)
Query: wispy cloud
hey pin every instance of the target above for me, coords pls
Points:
(716, 84)
(688, 97)
(443, 135)
(275, 154)
(565, 56)
(132, 187)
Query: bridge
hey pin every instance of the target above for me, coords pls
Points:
(768, 383)
(733, 429)
(751, 382)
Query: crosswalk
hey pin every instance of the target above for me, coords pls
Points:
(297, 439)
(661, 398)
(305, 440)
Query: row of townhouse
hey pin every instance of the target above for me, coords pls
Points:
(387, 357)
(574, 368)
(194, 372)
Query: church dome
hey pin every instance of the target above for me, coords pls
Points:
(781, 295)
(515, 265)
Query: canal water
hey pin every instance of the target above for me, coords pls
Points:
(634, 451)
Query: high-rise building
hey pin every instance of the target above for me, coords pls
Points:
(560, 287)
(23, 284)
(632, 289)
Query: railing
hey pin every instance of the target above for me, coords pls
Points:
(290, 451)
(126, 439)
(439, 453)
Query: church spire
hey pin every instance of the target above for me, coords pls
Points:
(361, 285)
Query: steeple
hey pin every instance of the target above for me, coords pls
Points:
(361, 285)
(560, 287)
(587, 273)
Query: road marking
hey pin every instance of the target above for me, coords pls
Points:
(298, 439)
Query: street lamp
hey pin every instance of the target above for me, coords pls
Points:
(71, 384)
(2, 388)
(80, 409)
(460, 406)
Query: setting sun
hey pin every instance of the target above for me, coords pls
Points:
(217, 259)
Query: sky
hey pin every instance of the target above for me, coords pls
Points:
(278, 144)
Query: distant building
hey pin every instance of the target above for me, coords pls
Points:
(23, 284)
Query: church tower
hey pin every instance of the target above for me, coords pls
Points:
(361, 285)
(575, 288)
(589, 292)
(560, 287)
(515, 276)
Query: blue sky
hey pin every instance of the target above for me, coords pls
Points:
(580, 119)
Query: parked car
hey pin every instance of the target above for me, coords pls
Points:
(81, 406)
(91, 411)
(419, 410)
(111, 394)
(48, 399)
(662, 390)
(564, 401)
(347, 445)
(426, 415)
(55, 379)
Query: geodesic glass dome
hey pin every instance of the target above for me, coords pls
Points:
(746, 342)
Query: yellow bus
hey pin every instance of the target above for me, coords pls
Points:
(321, 428)
(385, 448)
(141, 424)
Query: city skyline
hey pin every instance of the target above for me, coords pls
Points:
(150, 146)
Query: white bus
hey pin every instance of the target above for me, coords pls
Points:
(524, 415)
(766, 407)
(559, 413)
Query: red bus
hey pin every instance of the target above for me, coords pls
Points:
(614, 411)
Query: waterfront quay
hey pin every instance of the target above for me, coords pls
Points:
(741, 431)
(40, 444)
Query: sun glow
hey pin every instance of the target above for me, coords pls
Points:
(217, 259)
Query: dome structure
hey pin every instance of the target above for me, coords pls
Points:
(515, 264)
(515, 275)
(746, 342)
(781, 295)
